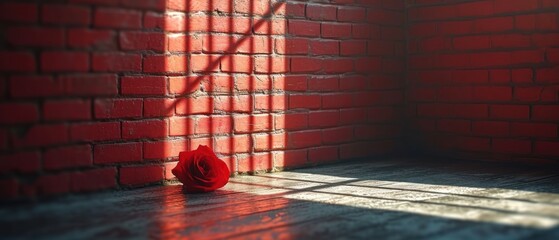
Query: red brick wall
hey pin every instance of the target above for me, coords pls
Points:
(483, 78)
(102, 94)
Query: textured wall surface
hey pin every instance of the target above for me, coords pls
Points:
(104, 94)
(483, 78)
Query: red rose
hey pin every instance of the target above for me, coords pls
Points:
(201, 171)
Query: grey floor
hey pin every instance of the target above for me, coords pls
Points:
(390, 199)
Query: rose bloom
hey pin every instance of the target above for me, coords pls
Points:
(201, 171)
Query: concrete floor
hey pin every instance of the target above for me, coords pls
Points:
(391, 199)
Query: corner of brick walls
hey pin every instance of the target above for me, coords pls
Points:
(99, 94)
(483, 79)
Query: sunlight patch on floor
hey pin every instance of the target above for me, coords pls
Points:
(491, 205)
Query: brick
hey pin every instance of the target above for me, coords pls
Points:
(304, 139)
(323, 84)
(363, 31)
(132, 40)
(204, 63)
(487, 128)
(291, 159)
(354, 150)
(33, 86)
(269, 142)
(323, 154)
(366, 65)
(510, 41)
(54, 110)
(291, 121)
(324, 119)
(253, 7)
(353, 116)
(255, 162)
(337, 135)
(304, 101)
(145, 129)
(472, 42)
(68, 157)
(353, 14)
(168, 170)
(525, 22)
(96, 2)
(533, 129)
(325, 47)
(254, 83)
(553, 55)
(512, 146)
(508, 6)
(547, 148)
(81, 85)
(196, 142)
(495, 24)
(335, 30)
(143, 85)
(100, 131)
(341, 65)
(157, 5)
(231, 145)
(475, 9)
(181, 126)
(510, 111)
(290, 83)
(118, 153)
(117, 18)
(165, 149)
(352, 47)
(253, 123)
(545, 112)
(270, 26)
(116, 62)
(53, 184)
(238, 103)
(159, 107)
(88, 38)
(321, 12)
(236, 64)
(93, 180)
(454, 126)
(527, 94)
(435, 44)
(35, 36)
(174, 22)
(199, 105)
(18, 12)
(304, 28)
(547, 75)
(12, 61)
(65, 14)
(271, 64)
(381, 16)
(165, 63)
(186, 85)
(547, 22)
(184, 43)
(63, 61)
(291, 46)
(117, 108)
(305, 65)
(42, 135)
(9, 188)
(18, 113)
(20, 162)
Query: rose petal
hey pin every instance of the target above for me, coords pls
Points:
(201, 171)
